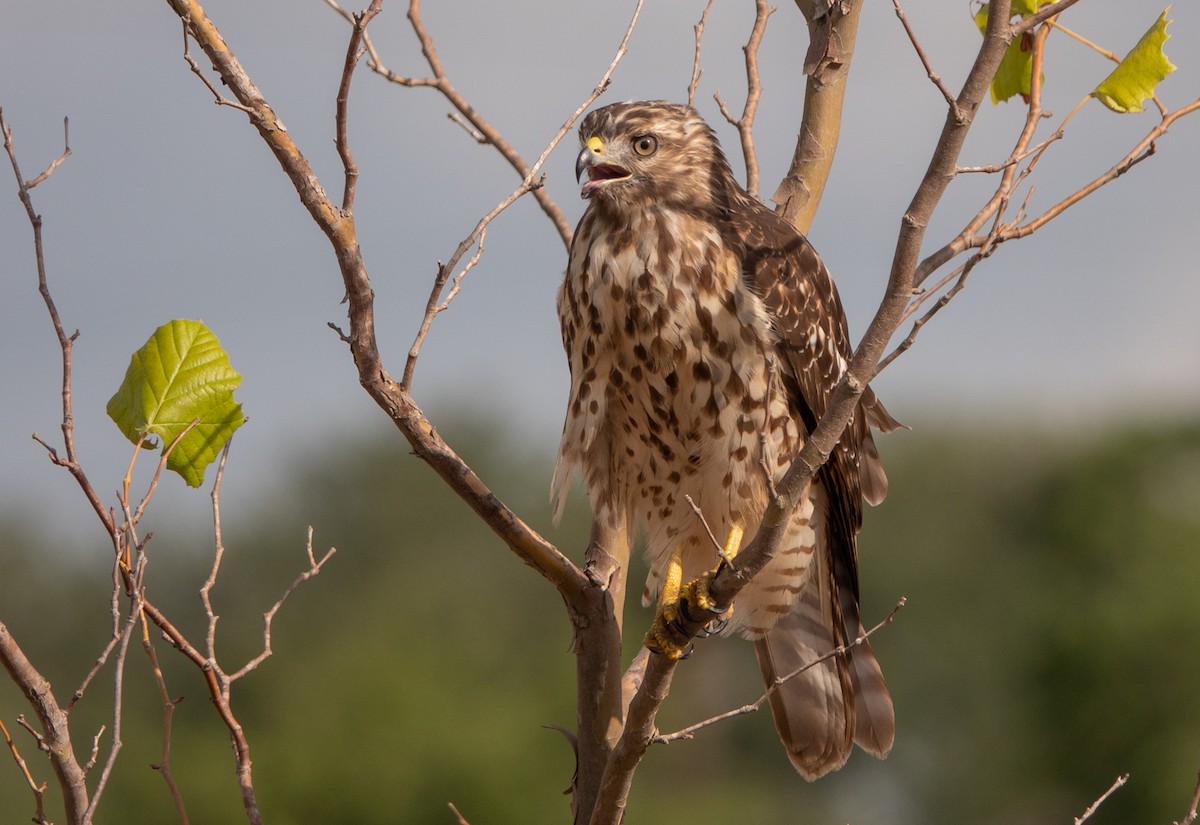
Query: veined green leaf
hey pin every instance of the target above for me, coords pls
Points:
(1135, 78)
(181, 375)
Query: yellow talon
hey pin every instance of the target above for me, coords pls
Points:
(674, 599)
(669, 592)
(734, 543)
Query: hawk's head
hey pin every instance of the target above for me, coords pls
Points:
(647, 152)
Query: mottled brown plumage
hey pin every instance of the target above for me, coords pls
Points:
(704, 336)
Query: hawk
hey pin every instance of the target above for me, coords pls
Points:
(704, 336)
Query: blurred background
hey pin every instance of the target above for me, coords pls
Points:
(1045, 508)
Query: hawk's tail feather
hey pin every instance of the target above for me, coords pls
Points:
(810, 710)
(822, 712)
(872, 478)
(874, 716)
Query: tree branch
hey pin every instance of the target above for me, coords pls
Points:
(827, 67)
(55, 736)
(699, 31)
(390, 396)
(483, 131)
(39, 791)
(745, 123)
(1091, 809)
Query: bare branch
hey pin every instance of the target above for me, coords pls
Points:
(38, 790)
(704, 523)
(933, 76)
(114, 636)
(959, 276)
(314, 567)
(435, 305)
(353, 53)
(1191, 815)
(218, 98)
(745, 123)
(1144, 149)
(57, 162)
(55, 738)
(394, 400)
(1091, 809)
(699, 30)
(476, 135)
(831, 49)
(484, 132)
(164, 764)
(66, 342)
(1044, 13)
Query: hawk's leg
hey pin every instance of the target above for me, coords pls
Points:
(677, 601)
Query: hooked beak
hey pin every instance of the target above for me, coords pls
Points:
(599, 173)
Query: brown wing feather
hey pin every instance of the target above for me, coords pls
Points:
(814, 348)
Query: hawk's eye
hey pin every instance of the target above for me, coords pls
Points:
(645, 145)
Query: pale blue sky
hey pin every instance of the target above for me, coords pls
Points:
(172, 207)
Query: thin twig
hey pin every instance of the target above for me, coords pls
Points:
(91, 763)
(934, 77)
(699, 30)
(458, 818)
(218, 98)
(1191, 815)
(532, 183)
(1077, 36)
(1091, 809)
(314, 567)
(1012, 160)
(210, 635)
(38, 790)
(476, 135)
(1044, 13)
(745, 123)
(704, 523)
(118, 702)
(353, 54)
(1144, 149)
(994, 208)
(481, 126)
(841, 650)
(960, 274)
(114, 636)
(57, 162)
(66, 342)
(164, 764)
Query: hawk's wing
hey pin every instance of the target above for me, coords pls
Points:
(814, 351)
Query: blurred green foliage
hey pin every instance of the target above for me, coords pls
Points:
(1051, 642)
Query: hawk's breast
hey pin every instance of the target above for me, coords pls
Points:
(673, 392)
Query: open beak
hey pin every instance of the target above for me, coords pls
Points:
(598, 172)
(587, 158)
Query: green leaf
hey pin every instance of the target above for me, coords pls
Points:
(1139, 73)
(1027, 7)
(181, 375)
(1016, 67)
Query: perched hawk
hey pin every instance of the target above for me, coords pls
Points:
(704, 336)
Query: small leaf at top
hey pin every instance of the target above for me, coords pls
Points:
(1135, 78)
(181, 375)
